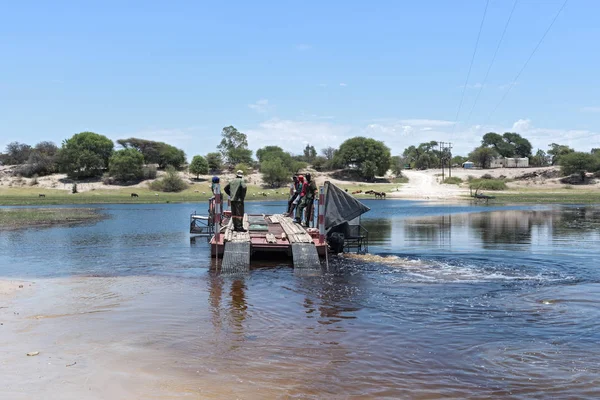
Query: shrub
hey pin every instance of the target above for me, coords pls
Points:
(487, 176)
(243, 167)
(171, 182)
(578, 163)
(34, 180)
(488, 184)
(74, 188)
(454, 180)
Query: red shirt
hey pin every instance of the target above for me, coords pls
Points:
(304, 189)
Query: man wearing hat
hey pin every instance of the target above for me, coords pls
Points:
(236, 190)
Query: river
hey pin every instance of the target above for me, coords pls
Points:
(461, 301)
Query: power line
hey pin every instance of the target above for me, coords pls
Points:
(492, 62)
(527, 62)
(462, 97)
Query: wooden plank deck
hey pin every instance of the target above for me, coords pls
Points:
(237, 237)
(294, 232)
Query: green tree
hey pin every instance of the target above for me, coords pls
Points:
(459, 160)
(85, 154)
(540, 159)
(215, 163)
(396, 165)
(557, 151)
(126, 165)
(274, 171)
(508, 145)
(199, 166)
(369, 156)
(328, 153)
(320, 163)
(578, 163)
(483, 156)
(159, 153)
(271, 152)
(234, 146)
(309, 153)
(423, 156)
(17, 153)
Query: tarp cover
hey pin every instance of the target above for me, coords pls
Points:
(341, 207)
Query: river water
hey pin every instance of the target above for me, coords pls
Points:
(459, 301)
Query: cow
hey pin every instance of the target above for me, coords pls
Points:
(134, 195)
(42, 195)
(357, 192)
(379, 195)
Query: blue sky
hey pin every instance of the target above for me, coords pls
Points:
(291, 73)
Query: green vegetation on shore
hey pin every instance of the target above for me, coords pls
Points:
(199, 192)
(33, 217)
(550, 197)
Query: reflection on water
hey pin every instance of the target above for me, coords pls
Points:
(461, 302)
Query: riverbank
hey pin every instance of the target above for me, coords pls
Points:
(19, 218)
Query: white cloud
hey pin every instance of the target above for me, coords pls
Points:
(477, 85)
(262, 106)
(303, 47)
(293, 135)
(343, 84)
(591, 109)
(521, 125)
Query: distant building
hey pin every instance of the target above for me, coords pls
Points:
(501, 162)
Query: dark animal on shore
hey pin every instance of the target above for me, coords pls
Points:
(134, 195)
(42, 195)
(370, 192)
(379, 195)
(357, 192)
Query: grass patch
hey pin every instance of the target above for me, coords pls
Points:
(33, 217)
(195, 193)
(454, 180)
(488, 184)
(400, 179)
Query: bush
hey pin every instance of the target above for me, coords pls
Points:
(488, 184)
(126, 165)
(171, 182)
(454, 180)
(34, 180)
(274, 171)
(578, 163)
(74, 188)
(487, 176)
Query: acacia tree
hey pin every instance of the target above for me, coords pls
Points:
(483, 156)
(159, 153)
(85, 154)
(328, 153)
(198, 166)
(369, 156)
(508, 145)
(309, 153)
(234, 147)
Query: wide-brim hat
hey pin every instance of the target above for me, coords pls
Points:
(240, 173)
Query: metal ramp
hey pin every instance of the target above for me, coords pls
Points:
(236, 258)
(305, 257)
(236, 255)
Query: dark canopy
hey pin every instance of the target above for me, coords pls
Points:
(340, 207)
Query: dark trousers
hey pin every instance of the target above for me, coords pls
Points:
(310, 203)
(290, 203)
(237, 213)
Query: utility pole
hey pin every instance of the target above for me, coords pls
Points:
(449, 160)
(442, 159)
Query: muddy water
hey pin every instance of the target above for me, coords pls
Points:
(459, 302)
